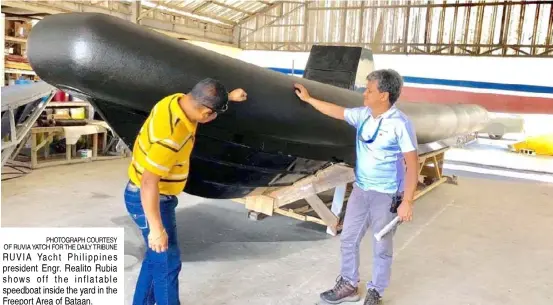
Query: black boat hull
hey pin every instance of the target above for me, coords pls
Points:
(123, 69)
(273, 138)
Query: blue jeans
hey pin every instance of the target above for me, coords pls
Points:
(158, 281)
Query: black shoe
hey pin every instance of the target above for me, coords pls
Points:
(372, 298)
(343, 291)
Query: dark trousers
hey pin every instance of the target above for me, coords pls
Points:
(158, 279)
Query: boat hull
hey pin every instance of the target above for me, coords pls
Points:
(273, 138)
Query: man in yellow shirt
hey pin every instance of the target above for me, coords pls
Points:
(158, 173)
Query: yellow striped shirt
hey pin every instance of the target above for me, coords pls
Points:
(163, 146)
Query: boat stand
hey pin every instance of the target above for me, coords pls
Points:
(303, 201)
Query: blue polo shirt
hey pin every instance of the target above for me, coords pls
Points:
(380, 144)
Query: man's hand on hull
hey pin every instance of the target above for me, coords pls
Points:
(301, 92)
(238, 95)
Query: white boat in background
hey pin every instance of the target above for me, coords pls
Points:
(500, 84)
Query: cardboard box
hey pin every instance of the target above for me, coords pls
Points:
(22, 29)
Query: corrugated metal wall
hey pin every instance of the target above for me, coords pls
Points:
(408, 27)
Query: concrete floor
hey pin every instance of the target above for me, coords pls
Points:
(496, 154)
(485, 241)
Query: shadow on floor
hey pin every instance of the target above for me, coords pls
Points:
(221, 231)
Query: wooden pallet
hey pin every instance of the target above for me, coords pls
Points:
(302, 200)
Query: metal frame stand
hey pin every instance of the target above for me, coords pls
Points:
(34, 105)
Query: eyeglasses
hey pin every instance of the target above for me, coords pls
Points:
(220, 109)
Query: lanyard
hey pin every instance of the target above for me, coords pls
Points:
(369, 141)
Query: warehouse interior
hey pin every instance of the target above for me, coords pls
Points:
(483, 212)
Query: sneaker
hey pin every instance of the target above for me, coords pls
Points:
(343, 291)
(372, 298)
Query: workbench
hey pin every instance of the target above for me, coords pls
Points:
(72, 134)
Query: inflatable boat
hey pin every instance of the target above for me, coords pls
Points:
(272, 139)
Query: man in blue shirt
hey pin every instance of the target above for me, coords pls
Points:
(386, 173)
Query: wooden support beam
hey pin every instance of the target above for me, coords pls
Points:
(337, 205)
(322, 181)
(270, 201)
(324, 213)
(297, 216)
